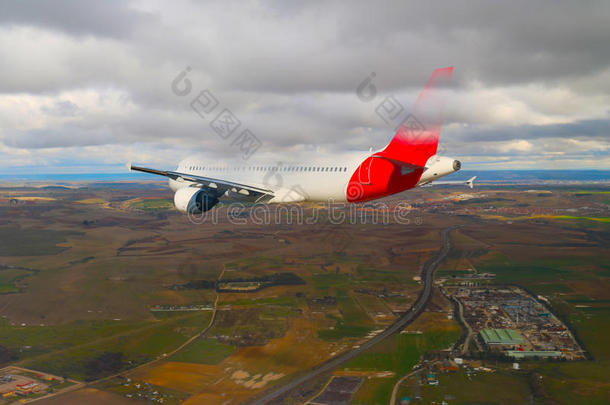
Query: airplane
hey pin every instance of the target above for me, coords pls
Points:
(408, 161)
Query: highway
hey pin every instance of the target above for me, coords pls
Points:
(408, 317)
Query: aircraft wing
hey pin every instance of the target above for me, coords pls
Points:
(216, 187)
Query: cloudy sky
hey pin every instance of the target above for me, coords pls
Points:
(86, 86)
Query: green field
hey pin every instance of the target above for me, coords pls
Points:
(326, 281)
(525, 272)
(544, 271)
(204, 351)
(593, 326)
(31, 242)
(283, 301)
(44, 339)
(497, 388)
(449, 273)
(72, 352)
(371, 274)
(586, 192)
(353, 321)
(552, 288)
(583, 382)
(153, 204)
(399, 354)
(10, 277)
(598, 219)
(6, 288)
(252, 325)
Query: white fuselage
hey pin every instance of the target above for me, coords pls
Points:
(295, 180)
(291, 180)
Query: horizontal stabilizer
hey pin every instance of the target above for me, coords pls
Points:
(470, 182)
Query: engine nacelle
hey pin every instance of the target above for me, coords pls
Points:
(193, 200)
(439, 166)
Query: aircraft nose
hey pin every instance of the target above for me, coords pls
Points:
(457, 165)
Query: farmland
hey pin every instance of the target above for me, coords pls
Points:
(82, 267)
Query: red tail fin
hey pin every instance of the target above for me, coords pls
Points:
(417, 138)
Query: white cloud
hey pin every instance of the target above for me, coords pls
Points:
(520, 146)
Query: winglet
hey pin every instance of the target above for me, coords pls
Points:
(128, 165)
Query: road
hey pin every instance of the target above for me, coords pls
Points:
(469, 330)
(399, 382)
(408, 317)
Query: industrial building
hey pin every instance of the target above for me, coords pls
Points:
(505, 318)
(517, 354)
(501, 337)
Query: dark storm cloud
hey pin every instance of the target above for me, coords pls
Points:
(335, 43)
(597, 128)
(107, 18)
(95, 73)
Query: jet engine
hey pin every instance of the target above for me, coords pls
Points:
(440, 166)
(194, 200)
(437, 167)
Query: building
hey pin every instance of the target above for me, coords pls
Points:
(431, 378)
(501, 337)
(544, 314)
(517, 354)
(448, 366)
(26, 386)
(6, 379)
